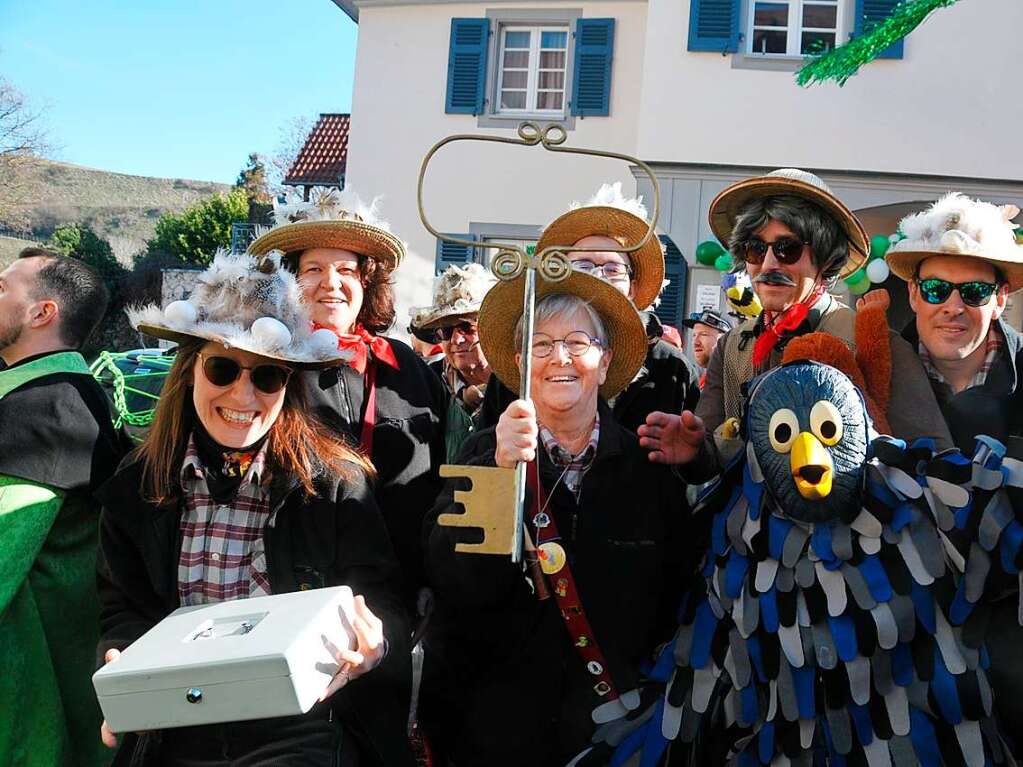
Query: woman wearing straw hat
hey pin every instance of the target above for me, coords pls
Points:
(667, 380)
(538, 660)
(384, 398)
(237, 492)
(795, 238)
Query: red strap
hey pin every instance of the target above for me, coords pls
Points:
(775, 328)
(370, 419)
(359, 344)
(554, 561)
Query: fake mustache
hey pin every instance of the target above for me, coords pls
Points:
(775, 278)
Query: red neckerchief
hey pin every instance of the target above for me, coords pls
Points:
(775, 327)
(360, 343)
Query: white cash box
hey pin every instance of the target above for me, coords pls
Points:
(228, 662)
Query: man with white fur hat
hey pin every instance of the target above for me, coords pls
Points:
(961, 261)
(457, 296)
(667, 381)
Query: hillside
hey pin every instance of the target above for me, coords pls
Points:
(121, 208)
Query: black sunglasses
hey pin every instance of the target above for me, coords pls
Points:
(786, 249)
(224, 371)
(974, 293)
(464, 327)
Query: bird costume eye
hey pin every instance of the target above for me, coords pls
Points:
(826, 422)
(783, 430)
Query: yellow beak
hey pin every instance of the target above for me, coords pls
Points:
(811, 466)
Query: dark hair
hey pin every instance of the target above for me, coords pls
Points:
(77, 289)
(828, 242)
(1000, 278)
(377, 311)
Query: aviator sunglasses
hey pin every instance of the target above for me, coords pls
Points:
(786, 249)
(974, 293)
(224, 371)
(465, 327)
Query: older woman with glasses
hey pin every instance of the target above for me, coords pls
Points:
(237, 492)
(537, 658)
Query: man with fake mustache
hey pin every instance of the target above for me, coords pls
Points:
(795, 239)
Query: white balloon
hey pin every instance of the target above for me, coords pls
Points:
(271, 333)
(877, 270)
(180, 314)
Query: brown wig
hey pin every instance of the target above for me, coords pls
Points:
(377, 312)
(297, 444)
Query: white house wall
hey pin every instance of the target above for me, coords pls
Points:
(398, 113)
(947, 108)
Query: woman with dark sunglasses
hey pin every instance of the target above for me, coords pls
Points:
(238, 492)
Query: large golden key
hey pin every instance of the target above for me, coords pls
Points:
(489, 505)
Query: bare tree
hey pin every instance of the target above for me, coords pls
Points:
(23, 140)
(293, 135)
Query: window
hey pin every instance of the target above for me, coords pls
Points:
(533, 63)
(487, 254)
(793, 27)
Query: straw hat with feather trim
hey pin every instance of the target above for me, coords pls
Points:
(331, 219)
(729, 203)
(610, 214)
(252, 304)
(957, 225)
(502, 309)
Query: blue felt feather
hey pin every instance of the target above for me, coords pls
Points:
(902, 665)
(861, 721)
(802, 680)
(703, 632)
(945, 693)
(924, 739)
(769, 609)
(778, 530)
(843, 631)
(820, 541)
(735, 573)
(923, 603)
(877, 581)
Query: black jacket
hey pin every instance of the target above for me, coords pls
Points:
(994, 408)
(408, 442)
(526, 695)
(667, 382)
(335, 538)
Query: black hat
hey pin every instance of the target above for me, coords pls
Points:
(708, 318)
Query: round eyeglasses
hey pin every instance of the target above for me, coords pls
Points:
(576, 343)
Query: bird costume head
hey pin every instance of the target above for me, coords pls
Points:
(807, 432)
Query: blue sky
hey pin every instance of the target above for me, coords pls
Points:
(176, 88)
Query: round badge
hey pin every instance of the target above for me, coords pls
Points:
(552, 557)
(541, 520)
(594, 668)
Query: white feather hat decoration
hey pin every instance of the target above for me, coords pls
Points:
(957, 225)
(247, 303)
(330, 219)
(458, 292)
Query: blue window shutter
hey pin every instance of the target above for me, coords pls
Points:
(676, 271)
(467, 66)
(591, 74)
(869, 13)
(449, 253)
(714, 25)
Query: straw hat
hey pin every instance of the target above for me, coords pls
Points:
(729, 203)
(332, 219)
(247, 303)
(502, 309)
(957, 225)
(610, 214)
(457, 293)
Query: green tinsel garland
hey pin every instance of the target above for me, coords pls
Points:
(843, 62)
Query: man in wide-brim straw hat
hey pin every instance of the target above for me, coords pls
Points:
(385, 398)
(667, 380)
(795, 239)
(961, 261)
(609, 527)
(452, 319)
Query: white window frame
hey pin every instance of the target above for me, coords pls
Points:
(794, 29)
(533, 71)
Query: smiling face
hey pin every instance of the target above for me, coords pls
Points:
(560, 382)
(801, 275)
(331, 282)
(952, 330)
(808, 428)
(239, 414)
(598, 259)
(464, 351)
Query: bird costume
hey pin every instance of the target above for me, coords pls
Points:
(829, 626)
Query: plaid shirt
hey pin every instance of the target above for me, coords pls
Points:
(575, 466)
(992, 346)
(222, 555)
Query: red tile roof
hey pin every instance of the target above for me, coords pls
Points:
(324, 156)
